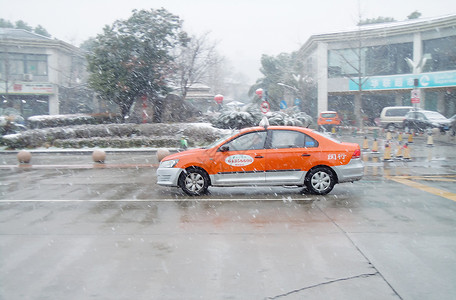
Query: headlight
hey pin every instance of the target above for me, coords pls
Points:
(168, 163)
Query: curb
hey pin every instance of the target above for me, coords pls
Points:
(90, 151)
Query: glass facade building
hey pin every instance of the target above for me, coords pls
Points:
(360, 71)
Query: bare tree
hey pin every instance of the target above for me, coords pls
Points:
(194, 62)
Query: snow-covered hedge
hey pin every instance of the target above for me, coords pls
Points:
(236, 119)
(251, 116)
(290, 118)
(114, 135)
(45, 121)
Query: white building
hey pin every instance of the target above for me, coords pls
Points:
(386, 58)
(39, 75)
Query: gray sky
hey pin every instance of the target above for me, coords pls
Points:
(245, 29)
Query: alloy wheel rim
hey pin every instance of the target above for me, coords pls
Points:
(321, 181)
(194, 182)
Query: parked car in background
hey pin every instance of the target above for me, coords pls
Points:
(265, 156)
(392, 117)
(328, 119)
(422, 120)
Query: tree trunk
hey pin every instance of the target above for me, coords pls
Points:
(158, 110)
(357, 107)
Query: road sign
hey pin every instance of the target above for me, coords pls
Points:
(264, 107)
(415, 96)
(283, 104)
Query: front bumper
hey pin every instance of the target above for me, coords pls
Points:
(168, 176)
(352, 171)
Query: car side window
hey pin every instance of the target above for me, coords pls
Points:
(248, 141)
(281, 139)
(420, 116)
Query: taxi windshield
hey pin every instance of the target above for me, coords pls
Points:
(221, 139)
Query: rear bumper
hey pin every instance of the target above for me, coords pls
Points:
(352, 171)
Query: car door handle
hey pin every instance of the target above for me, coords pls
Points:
(259, 156)
(305, 154)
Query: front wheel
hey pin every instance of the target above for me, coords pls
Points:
(194, 182)
(320, 181)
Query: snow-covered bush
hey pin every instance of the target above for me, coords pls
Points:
(290, 117)
(237, 119)
(251, 116)
(45, 121)
(115, 135)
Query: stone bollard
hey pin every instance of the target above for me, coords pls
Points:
(162, 153)
(24, 157)
(99, 156)
(365, 143)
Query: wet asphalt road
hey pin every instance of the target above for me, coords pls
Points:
(108, 232)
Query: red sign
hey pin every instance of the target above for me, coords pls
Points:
(415, 96)
(17, 87)
(264, 107)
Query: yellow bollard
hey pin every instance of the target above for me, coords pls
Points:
(388, 136)
(407, 155)
(333, 130)
(387, 153)
(365, 143)
(399, 137)
(375, 146)
(410, 138)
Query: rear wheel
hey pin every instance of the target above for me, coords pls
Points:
(194, 182)
(320, 180)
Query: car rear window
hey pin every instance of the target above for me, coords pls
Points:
(328, 115)
(291, 139)
(397, 112)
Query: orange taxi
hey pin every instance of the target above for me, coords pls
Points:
(274, 155)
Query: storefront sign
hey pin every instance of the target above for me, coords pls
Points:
(425, 80)
(22, 88)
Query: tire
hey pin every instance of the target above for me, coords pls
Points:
(194, 182)
(391, 127)
(320, 180)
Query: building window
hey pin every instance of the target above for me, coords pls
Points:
(18, 64)
(36, 64)
(388, 59)
(443, 52)
(346, 62)
(370, 61)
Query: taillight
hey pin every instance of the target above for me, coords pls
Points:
(357, 153)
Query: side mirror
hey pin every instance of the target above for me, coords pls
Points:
(224, 149)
